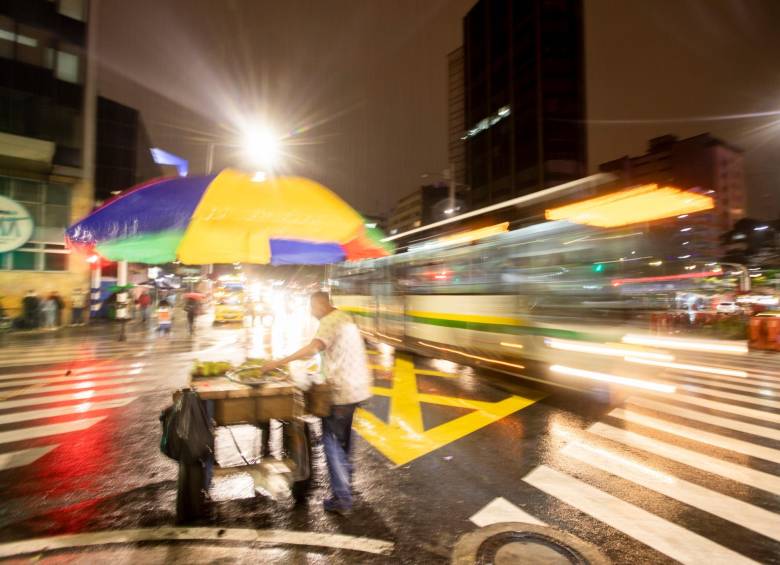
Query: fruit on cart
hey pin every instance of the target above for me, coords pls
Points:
(211, 368)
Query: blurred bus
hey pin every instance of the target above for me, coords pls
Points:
(515, 290)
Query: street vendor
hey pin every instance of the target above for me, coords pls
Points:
(346, 371)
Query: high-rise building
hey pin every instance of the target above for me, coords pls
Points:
(43, 73)
(524, 97)
(123, 157)
(701, 163)
(420, 207)
(456, 99)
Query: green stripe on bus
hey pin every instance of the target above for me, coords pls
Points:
(481, 327)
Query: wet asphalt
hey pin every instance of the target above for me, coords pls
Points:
(111, 477)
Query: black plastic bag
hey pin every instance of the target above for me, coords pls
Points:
(187, 435)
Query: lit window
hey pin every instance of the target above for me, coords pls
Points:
(72, 9)
(28, 41)
(67, 67)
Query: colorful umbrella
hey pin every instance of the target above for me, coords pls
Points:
(228, 218)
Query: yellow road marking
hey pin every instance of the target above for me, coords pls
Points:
(504, 320)
(404, 438)
(436, 373)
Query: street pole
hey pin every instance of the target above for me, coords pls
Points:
(94, 296)
(210, 147)
(210, 157)
(121, 298)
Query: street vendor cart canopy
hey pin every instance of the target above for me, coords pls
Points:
(228, 218)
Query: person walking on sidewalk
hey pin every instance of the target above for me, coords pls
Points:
(164, 318)
(49, 311)
(78, 302)
(60, 307)
(346, 371)
(144, 302)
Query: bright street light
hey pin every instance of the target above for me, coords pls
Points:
(261, 146)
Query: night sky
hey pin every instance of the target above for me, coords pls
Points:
(359, 87)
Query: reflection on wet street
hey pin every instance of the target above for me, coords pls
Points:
(443, 448)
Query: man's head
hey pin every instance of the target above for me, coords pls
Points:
(320, 305)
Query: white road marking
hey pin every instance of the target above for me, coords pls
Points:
(675, 410)
(725, 407)
(726, 469)
(720, 382)
(730, 396)
(23, 457)
(663, 536)
(74, 378)
(272, 537)
(89, 383)
(743, 447)
(83, 395)
(48, 430)
(501, 510)
(726, 507)
(81, 408)
(98, 368)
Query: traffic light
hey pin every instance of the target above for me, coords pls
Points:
(598, 267)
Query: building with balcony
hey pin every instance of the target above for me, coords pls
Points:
(703, 164)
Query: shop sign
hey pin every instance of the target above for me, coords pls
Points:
(16, 225)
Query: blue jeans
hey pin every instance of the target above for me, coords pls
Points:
(336, 440)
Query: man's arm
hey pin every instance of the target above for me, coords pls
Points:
(310, 350)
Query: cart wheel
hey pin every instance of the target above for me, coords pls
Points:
(299, 449)
(190, 497)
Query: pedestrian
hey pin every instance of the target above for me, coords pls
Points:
(164, 318)
(59, 304)
(31, 306)
(191, 306)
(346, 371)
(78, 301)
(144, 302)
(49, 311)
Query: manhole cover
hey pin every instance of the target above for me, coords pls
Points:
(514, 542)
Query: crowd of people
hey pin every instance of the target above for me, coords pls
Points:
(48, 311)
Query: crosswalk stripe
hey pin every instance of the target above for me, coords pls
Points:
(89, 345)
(68, 378)
(20, 362)
(743, 447)
(717, 382)
(23, 434)
(86, 394)
(730, 396)
(63, 410)
(757, 370)
(23, 457)
(663, 536)
(731, 408)
(745, 381)
(501, 510)
(726, 469)
(726, 507)
(83, 385)
(675, 410)
(73, 372)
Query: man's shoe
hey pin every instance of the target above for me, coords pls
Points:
(337, 507)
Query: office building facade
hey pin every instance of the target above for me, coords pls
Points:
(42, 76)
(524, 97)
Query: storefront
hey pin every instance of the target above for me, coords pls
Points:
(34, 213)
